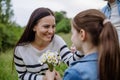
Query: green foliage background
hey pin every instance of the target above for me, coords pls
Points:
(9, 35)
(63, 26)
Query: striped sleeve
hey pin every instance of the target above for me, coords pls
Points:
(23, 74)
(67, 56)
(77, 55)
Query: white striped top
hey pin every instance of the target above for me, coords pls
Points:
(26, 58)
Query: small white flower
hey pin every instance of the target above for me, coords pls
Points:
(43, 58)
(50, 57)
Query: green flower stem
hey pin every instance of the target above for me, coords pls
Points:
(51, 67)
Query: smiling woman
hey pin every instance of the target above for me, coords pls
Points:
(38, 37)
(45, 30)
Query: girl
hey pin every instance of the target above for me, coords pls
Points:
(97, 38)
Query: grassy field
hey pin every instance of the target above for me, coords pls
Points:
(6, 66)
(67, 38)
(6, 62)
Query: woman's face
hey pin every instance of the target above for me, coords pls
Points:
(75, 38)
(45, 29)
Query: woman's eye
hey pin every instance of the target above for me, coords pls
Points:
(53, 26)
(46, 26)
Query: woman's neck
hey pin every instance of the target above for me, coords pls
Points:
(40, 45)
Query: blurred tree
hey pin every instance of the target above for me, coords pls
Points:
(59, 16)
(63, 26)
(62, 22)
(9, 30)
(6, 12)
(9, 35)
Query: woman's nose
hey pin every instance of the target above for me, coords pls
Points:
(51, 30)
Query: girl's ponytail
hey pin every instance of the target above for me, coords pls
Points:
(109, 53)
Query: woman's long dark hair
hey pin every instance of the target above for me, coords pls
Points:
(103, 35)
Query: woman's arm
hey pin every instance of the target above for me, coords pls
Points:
(67, 56)
(21, 69)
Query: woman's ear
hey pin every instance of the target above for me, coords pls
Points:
(83, 34)
(34, 29)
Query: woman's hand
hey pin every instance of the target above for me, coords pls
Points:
(73, 48)
(54, 75)
(50, 75)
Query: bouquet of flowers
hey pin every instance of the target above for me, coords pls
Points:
(51, 58)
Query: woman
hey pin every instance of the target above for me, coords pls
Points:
(97, 38)
(38, 37)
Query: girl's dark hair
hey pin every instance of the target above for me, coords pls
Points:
(28, 34)
(105, 37)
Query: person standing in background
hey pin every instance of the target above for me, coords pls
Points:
(112, 12)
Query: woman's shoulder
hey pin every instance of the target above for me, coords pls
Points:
(22, 47)
(57, 37)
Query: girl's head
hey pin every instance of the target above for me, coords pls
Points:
(89, 22)
(92, 25)
(37, 17)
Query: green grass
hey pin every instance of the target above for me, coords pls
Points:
(6, 66)
(61, 68)
(6, 62)
(67, 38)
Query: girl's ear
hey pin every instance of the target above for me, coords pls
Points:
(83, 34)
